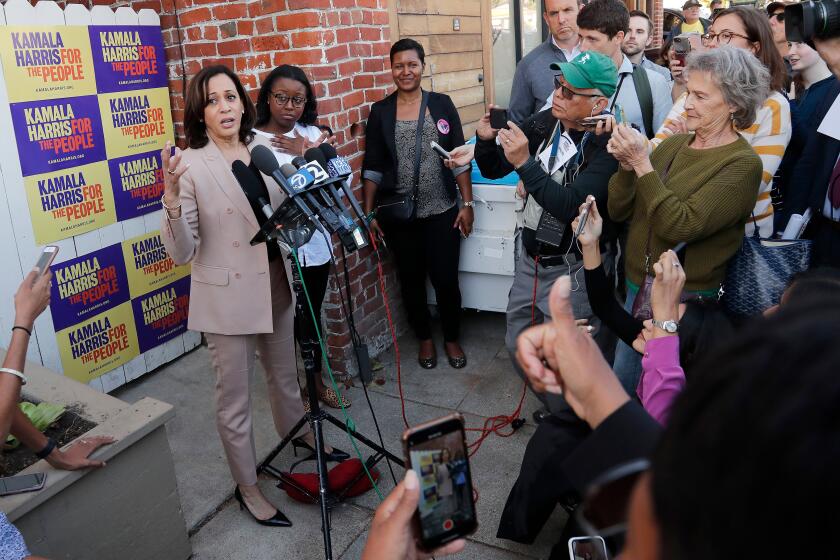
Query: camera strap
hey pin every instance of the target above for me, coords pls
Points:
(418, 142)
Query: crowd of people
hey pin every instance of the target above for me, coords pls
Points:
(641, 180)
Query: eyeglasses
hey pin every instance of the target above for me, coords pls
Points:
(568, 94)
(281, 99)
(721, 38)
(780, 16)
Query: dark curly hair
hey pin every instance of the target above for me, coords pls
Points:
(196, 100)
(310, 108)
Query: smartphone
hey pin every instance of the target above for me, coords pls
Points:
(46, 258)
(439, 150)
(682, 46)
(592, 122)
(679, 249)
(587, 548)
(22, 483)
(498, 118)
(437, 452)
(583, 217)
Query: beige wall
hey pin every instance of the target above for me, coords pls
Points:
(455, 60)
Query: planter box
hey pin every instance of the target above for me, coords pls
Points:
(129, 509)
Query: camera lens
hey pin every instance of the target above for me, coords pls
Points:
(811, 19)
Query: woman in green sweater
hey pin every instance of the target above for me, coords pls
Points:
(696, 188)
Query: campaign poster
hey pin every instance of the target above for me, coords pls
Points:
(57, 134)
(127, 57)
(136, 121)
(138, 184)
(98, 344)
(87, 286)
(148, 265)
(161, 314)
(46, 62)
(70, 201)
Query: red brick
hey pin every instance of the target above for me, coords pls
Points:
(198, 50)
(228, 30)
(350, 67)
(299, 20)
(254, 62)
(327, 106)
(373, 65)
(309, 4)
(370, 34)
(235, 47)
(210, 32)
(302, 39)
(380, 18)
(245, 27)
(230, 10)
(306, 56)
(347, 34)
(268, 6)
(268, 43)
(353, 100)
(197, 15)
(265, 25)
(327, 72)
(362, 82)
(337, 53)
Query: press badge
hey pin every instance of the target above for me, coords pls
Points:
(565, 151)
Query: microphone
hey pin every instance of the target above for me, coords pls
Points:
(250, 185)
(338, 167)
(300, 181)
(265, 161)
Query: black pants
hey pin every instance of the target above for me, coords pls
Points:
(826, 248)
(315, 278)
(429, 246)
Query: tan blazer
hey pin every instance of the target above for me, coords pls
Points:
(230, 291)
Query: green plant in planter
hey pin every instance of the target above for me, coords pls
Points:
(41, 415)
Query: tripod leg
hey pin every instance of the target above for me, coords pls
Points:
(323, 488)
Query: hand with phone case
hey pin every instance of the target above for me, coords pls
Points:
(32, 297)
(392, 532)
(483, 128)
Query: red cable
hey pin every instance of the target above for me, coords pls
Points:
(393, 330)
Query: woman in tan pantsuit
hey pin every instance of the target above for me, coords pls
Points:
(239, 294)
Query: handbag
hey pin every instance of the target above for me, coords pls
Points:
(402, 208)
(760, 271)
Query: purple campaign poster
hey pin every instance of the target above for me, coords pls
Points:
(127, 57)
(87, 286)
(58, 134)
(161, 314)
(137, 181)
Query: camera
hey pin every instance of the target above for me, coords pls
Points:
(820, 19)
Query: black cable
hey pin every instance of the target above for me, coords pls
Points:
(347, 309)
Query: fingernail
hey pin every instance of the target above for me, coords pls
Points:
(411, 480)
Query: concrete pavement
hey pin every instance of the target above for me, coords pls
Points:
(486, 387)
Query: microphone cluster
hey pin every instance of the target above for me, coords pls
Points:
(312, 184)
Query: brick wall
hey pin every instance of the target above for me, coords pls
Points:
(343, 47)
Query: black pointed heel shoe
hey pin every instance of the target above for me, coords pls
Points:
(459, 362)
(278, 520)
(337, 455)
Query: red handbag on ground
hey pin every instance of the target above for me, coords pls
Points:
(338, 479)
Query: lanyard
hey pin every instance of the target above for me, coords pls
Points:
(555, 145)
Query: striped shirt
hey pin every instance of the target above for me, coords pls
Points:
(768, 135)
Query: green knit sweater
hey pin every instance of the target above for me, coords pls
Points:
(706, 199)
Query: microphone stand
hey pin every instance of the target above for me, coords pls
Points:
(289, 239)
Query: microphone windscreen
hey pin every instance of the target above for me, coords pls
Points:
(314, 154)
(328, 151)
(247, 180)
(298, 162)
(287, 169)
(264, 159)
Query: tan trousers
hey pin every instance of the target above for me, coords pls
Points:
(233, 361)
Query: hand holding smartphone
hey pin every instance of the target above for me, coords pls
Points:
(47, 257)
(437, 452)
(498, 118)
(439, 150)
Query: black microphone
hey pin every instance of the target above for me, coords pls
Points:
(301, 180)
(337, 166)
(353, 230)
(265, 161)
(251, 186)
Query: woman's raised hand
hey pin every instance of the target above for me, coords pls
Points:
(667, 287)
(172, 168)
(594, 223)
(460, 156)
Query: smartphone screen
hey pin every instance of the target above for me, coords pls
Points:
(498, 118)
(587, 548)
(46, 258)
(437, 452)
(21, 483)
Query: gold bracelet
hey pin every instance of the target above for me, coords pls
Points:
(168, 209)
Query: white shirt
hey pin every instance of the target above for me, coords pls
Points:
(570, 55)
(318, 250)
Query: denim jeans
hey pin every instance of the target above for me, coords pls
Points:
(628, 363)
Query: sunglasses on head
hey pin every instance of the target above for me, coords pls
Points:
(568, 94)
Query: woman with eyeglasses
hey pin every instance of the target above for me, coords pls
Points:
(413, 198)
(287, 114)
(747, 28)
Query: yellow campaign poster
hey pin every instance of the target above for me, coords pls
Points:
(135, 121)
(46, 62)
(98, 344)
(148, 265)
(70, 201)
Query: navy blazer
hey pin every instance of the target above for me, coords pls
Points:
(813, 170)
(380, 163)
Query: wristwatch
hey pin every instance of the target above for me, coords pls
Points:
(468, 203)
(668, 326)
